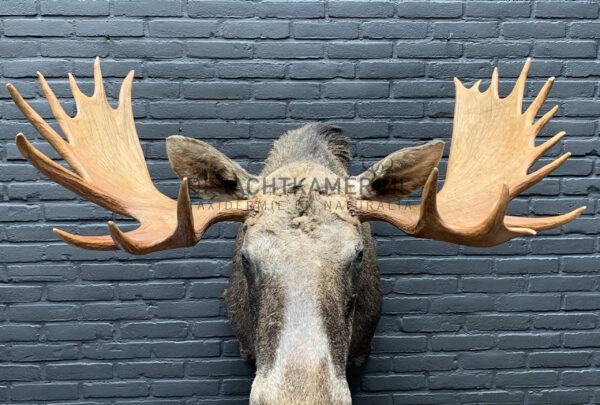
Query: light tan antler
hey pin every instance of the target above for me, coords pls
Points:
(493, 147)
(103, 148)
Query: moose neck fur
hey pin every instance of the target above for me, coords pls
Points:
(299, 322)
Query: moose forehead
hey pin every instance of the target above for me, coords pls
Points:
(302, 217)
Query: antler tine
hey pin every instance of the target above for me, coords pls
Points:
(494, 83)
(519, 89)
(65, 177)
(540, 150)
(104, 242)
(533, 178)
(429, 213)
(78, 96)
(98, 82)
(539, 124)
(544, 223)
(57, 110)
(53, 138)
(125, 93)
(185, 215)
(495, 221)
(539, 100)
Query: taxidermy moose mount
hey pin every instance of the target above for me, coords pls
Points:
(304, 294)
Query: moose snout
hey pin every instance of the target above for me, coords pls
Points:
(300, 385)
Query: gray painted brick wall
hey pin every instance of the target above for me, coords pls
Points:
(517, 323)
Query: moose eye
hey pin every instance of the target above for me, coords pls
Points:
(245, 262)
(359, 258)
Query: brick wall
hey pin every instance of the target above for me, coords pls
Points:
(517, 323)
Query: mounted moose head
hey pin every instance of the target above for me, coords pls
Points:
(304, 295)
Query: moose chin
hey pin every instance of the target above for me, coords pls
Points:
(304, 295)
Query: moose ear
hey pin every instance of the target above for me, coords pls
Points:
(211, 174)
(400, 173)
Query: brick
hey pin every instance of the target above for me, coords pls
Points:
(94, 292)
(275, 50)
(585, 30)
(191, 388)
(286, 90)
(529, 302)
(141, 330)
(102, 351)
(181, 29)
(250, 110)
(290, 9)
(464, 381)
(321, 110)
(228, 9)
(538, 29)
(353, 50)
(105, 271)
(465, 30)
(567, 396)
(79, 8)
(431, 49)
(375, 9)
(497, 322)
(120, 28)
(526, 379)
(328, 30)
(235, 70)
(394, 382)
(219, 49)
(18, 7)
(70, 48)
(18, 333)
(44, 391)
(498, 9)
(19, 373)
(150, 369)
(256, 29)
(315, 70)
(427, 323)
(79, 371)
(414, 9)
(505, 49)
(394, 30)
(565, 49)
(118, 389)
(80, 331)
(528, 341)
(144, 8)
(206, 348)
(114, 311)
(560, 359)
(216, 130)
(152, 291)
(43, 352)
(137, 49)
(461, 342)
(355, 90)
(12, 294)
(567, 9)
(389, 109)
(37, 28)
(491, 360)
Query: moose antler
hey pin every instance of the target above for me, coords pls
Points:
(493, 147)
(104, 150)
